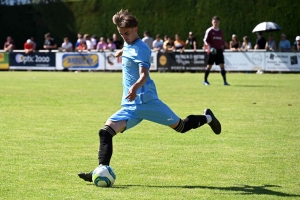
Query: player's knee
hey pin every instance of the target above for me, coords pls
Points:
(106, 131)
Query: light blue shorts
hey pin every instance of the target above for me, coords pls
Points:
(154, 111)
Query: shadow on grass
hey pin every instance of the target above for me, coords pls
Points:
(243, 189)
(254, 86)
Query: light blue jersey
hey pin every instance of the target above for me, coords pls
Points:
(134, 56)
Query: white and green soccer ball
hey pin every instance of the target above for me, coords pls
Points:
(104, 176)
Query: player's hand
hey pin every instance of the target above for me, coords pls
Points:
(119, 53)
(131, 94)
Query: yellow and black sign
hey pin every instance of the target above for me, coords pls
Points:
(80, 60)
(4, 64)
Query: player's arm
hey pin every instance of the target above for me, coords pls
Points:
(119, 53)
(144, 73)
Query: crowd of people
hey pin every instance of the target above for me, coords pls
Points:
(167, 44)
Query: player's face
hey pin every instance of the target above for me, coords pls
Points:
(215, 23)
(129, 35)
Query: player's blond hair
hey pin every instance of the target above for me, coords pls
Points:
(124, 19)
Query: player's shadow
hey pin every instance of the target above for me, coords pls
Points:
(241, 190)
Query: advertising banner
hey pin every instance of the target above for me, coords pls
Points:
(4, 64)
(32, 61)
(242, 61)
(114, 63)
(176, 61)
(80, 61)
(282, 61)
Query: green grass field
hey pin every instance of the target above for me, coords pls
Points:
(49, 124)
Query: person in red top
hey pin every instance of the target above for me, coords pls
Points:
(28, 46)
(214, 44)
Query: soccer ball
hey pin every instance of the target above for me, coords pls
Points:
(213, 51)
(104, 176)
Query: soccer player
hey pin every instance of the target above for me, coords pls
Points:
(140, 100)
(214, 43)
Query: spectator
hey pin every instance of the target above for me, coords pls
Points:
(191, 41)
(179, 44)
(34, 43)
(82, 46)
(158, 43)
(87, 39)
(147, 39)
(271, 44)
(49, 43)
(260, 41)
(234, 44)
(9, 44)
(102, 45)
(79, 37)
(67, 46)
(168, 45)
(94, 41)
(28, 46)
(296, 46)
(246, 45)
(111, 45)
(284, 44)
(117, 42)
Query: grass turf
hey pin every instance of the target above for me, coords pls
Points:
(49, 132)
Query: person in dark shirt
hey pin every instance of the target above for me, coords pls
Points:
(214, 44)
(260, 41)
(191, 41)
(9, 44)
(49, 43)
(118, 43)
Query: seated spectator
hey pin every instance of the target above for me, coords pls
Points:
(179, 44)
(168, 46)
(284, 44)
(260, 41)
(82, 46)
(87, 39)
(246, 45)
(79, 37)
(234, 44)
(67, 45)
(110, 44)
(158, 43)
(94, 41)
(147, 39)
(28, 46)
(102, 45)
(191, 41)
(49, 43)
(9, 45)
(296, 46)
(34, 43)
(271, 44)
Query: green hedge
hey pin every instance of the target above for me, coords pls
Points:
(158, 16)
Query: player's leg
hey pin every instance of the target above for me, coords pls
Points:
(120, 121)
(195, 121)
(210, 62)
(220, 62)
(159, 112)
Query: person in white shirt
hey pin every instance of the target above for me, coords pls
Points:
(246, 45)
(67, 45)
(89, 44)
(147, 39)
(158, 43)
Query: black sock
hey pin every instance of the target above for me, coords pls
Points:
(106, 147)
(207, 70)
(191, 122)
(223, 72)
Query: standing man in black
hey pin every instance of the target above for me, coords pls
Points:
(260, 41)
(191, 41)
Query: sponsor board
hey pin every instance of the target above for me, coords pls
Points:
(115, 63)
(186, 61)
(242, 61)
(33, 61)
(80, 61)
(282, 61)
(4, 64)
